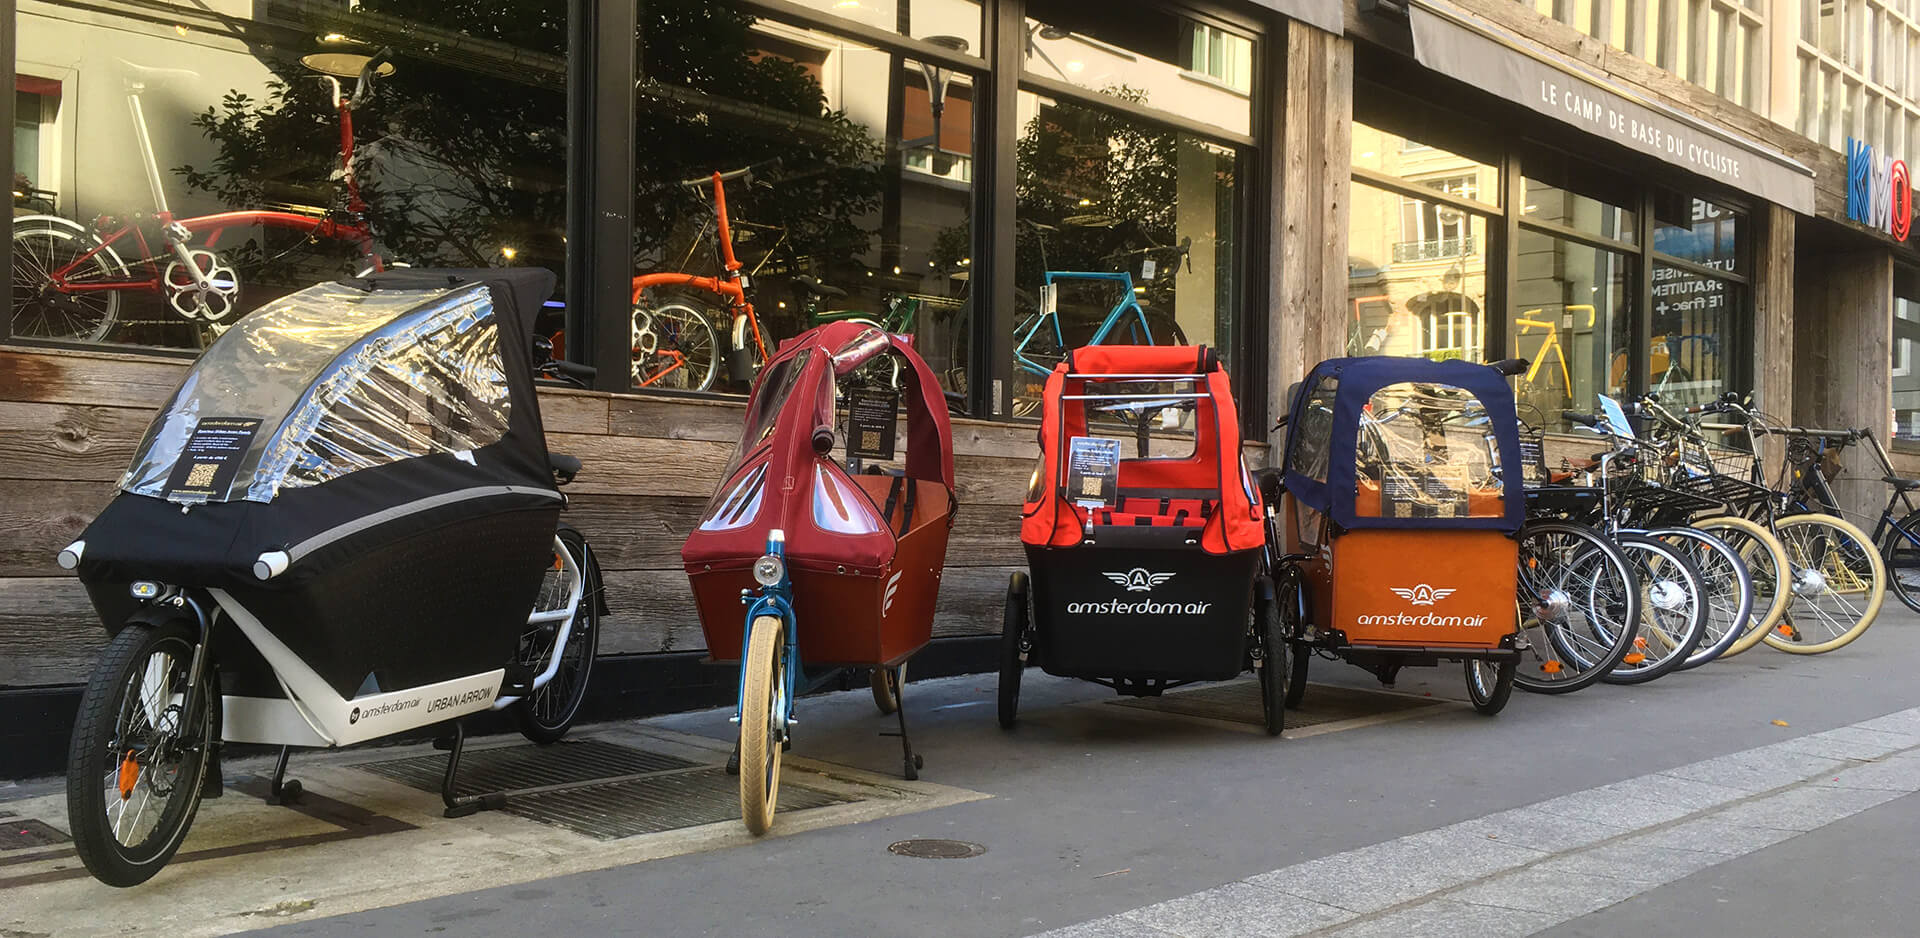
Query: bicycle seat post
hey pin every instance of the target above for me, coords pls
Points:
(147, 159)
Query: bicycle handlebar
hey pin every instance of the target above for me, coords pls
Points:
(745, 172)
(363, 85)
(1509, 367)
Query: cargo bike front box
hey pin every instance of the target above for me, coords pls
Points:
(1143, 533)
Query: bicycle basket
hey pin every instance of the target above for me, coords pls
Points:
(1722, 473)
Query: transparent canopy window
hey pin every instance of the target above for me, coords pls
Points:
(1424, 452)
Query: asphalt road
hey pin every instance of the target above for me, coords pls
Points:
(1107, 823)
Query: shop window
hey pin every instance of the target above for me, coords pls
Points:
(1906, 343)
(847, 174)
(459, 157)
(1558, 190)
(1571, 312)
(1416, 274)
(1146, 54)
(1704, 232)
(1134, 223)
(937, 21)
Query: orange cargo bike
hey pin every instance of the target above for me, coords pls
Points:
(1142, 529)
(1393, 533)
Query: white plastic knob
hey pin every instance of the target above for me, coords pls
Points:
(271, 564)
(70, 555)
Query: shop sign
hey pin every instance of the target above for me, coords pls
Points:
(1879, 191)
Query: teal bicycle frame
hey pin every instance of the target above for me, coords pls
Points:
(1049, 316)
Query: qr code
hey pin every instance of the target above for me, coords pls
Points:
(1090, 486)
(869, 440)
(202, 475)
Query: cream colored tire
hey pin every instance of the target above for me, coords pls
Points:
(1765, 558)
(1853, 583)
(763, 683)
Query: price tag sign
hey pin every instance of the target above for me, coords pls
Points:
(1093, 471)
(1148, 268)
(871, 424)
(211, 458)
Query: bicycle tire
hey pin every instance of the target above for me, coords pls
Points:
(1672, 612)
(1273, 672)
(44, 243)
(762, 686)
(1729, 590)
(686, 353)
(1574, 590)
(1765, 559)
(1013, 628)
(1814, 588)
(1490, 685)
(545, 715)
(1902, 556)
(108, 715)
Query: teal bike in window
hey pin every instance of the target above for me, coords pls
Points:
(1040, 341)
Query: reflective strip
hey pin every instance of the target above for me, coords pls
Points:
(378, 518)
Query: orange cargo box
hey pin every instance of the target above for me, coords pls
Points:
(1421, 588)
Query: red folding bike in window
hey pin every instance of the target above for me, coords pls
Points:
(68, 277)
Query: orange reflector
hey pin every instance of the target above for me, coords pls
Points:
(1550, 667)
(129, 774)
(1784, 629)
(1639, 641)
(556, 562)
(1634, 658)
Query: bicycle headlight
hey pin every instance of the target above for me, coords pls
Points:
(144, 589)
(769, 570)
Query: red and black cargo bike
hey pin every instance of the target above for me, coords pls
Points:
(1148, 570)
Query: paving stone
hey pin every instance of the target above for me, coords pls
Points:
(1710, 834)
(1386, 874)
(1238, 909)
(1537, 830)
(1902, 721)
(1852, 742)
(1111, 927)
(1899, 773)
(1757, 770)
(1445, 918)
(1642, 802)
(1559, 892)
(1804, 809)
(1635, 861)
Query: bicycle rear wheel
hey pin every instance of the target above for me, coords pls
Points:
(1729, 590)
(1578, 606)
(1672, 610)
(1766, 563)
(40, 309)
(1900, 548)
(1839, 582)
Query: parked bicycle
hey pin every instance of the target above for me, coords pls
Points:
(68, 277)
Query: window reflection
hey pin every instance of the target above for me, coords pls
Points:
(1146, 54)
(855, 202)
(1416, 274)
(1906, 341)
(1702, 232)
(1561, 191)
(1692, 324)
(1570, 321)
(1133, 223)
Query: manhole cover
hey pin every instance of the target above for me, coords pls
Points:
(1239, 702)
(935, 849)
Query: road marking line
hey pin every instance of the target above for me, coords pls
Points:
(1521, 871)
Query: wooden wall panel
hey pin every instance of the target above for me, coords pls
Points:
(1307, 323)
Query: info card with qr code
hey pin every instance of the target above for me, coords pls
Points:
(210, 459)
(1093, 471)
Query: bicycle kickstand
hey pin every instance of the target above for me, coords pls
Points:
(459, 805)
(911, 763)
(280, 789)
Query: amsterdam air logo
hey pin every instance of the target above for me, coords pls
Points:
(1422, 595)
(1138, 580)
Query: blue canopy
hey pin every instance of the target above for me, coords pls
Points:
(1323, 437)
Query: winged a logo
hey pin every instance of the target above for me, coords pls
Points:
(1138, 579)
(1422, 595)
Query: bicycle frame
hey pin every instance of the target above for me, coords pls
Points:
(1024, 336)
(772, 600)
(730, 285)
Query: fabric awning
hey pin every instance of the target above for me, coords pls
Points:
(1321, 14)
(1463, 47)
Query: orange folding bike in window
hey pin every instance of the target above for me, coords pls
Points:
(674, 341)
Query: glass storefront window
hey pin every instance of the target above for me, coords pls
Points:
(855, 200)
(1570, 320)
(1560, 191)
(1700, 231)
(1147, 54)
(1386, 152)
(1906, 343)
(1416, 274)
(459, 157)
(1143, 217)
(938, 21)
(1692, 331)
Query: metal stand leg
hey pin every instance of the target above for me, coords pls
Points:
(281, 790)
(458, 806)
(911, 761)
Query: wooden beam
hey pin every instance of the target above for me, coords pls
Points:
(1308, 323)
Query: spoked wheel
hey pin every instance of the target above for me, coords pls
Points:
(1490, 684)
(1838, 584)
(887, 683)
(1767, 568)
(1901, 552)
(1013, 644)
(40, 309)
(1578, 604)
(674, 347)
(138, 755)
(1290, 592)
(763, 721)
(545, 715)
(1270, 634)
(1729, 597)
(1673, 613)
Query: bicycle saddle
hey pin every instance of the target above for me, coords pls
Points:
(565, 467)
(817, 288)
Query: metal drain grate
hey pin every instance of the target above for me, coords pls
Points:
(21, 833)
(516, 767)
(660, 803)
(936, 849)
(1239, 702)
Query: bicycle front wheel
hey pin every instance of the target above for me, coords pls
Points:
(1901, 551)
(763, 721)
(545, 715)
(674, 348)
(139, 754)
(1728, 596)
(1766, 563)
(1672, 610)
(1578, 605)
(1838, 582)
(41, 309)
